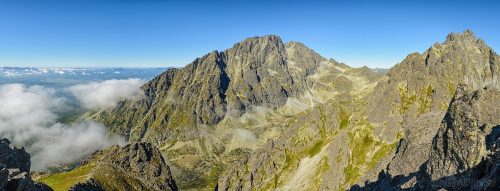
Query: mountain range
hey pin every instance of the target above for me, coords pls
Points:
(269, 115)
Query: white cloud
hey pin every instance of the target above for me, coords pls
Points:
(106, 94)
(28, 117)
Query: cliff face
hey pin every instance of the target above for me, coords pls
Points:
(467, 137)
(463, 153)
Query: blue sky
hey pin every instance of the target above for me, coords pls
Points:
(151, 33)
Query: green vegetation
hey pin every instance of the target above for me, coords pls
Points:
(63, 181)
(344, 117)
(323, 123)
(315, 149)
(181, 118)
(407, 99)
(366, 151)
(425, 100)
(451, 87)
(71, 116)
(323, 167)
(213, 176)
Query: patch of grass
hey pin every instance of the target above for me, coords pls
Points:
(366, 152)
(290, 159)
(178, 119)
(320, 170)
(383, 150)
(406, 97)
(451, 87)
(425, 99)
(324, 164)
(323, 123)
(345, 118)
(63, 181)
(315, 149)
(213, 176)
(291, 162)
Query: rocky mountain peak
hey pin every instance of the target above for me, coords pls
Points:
(266, 39)
(258, 46)
(300, 48)
(462, 58)
(466, 38)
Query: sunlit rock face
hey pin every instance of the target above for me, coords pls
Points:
(268, 115)
(463, 152)
(222, 106)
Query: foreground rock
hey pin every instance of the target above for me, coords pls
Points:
(15, 170)
(137, 166)
(467, 141)
(463, 155)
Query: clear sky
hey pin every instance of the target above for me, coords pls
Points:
(151, 33)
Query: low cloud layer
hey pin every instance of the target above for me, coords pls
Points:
(106, 94)
(28, 117)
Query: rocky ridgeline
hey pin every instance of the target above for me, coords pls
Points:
(409, 103)
(268, 115)
(15, 170)
(259, 71)
(425, 83)
(465, 149)
(195, 113)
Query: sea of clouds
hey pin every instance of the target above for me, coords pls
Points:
(29, 117)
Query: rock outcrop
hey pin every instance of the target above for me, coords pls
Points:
(460, 145)
(15, 170)
(90, 185)
(137, 166)
(426, 82)
(463, 154)
(140, 162)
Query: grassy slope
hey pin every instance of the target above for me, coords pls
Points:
(63, 181)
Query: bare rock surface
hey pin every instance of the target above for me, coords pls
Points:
(137, 166)
(463, 154)
(15, 170)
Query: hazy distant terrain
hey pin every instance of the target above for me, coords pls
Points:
(40, 107)
(63, 77)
